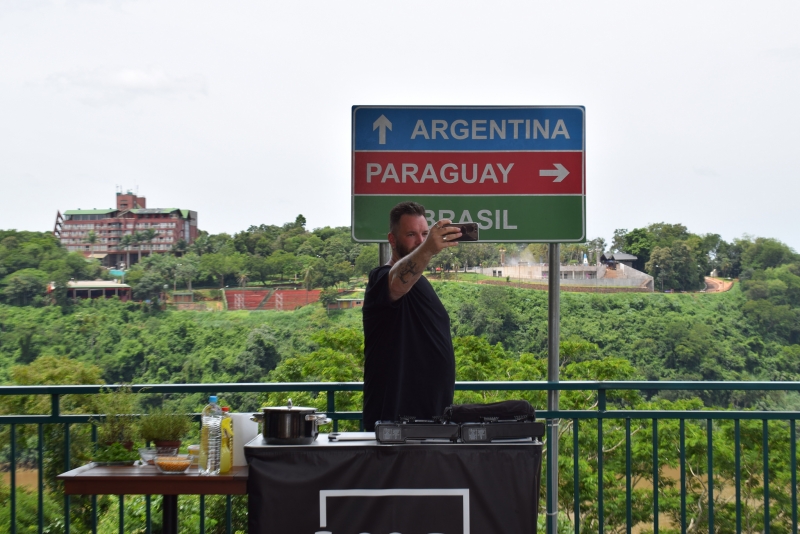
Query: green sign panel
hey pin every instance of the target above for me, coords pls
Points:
(516, 219)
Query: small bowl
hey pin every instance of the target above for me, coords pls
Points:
(148, 454)
(173, 464)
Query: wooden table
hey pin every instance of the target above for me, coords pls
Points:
(92, 479)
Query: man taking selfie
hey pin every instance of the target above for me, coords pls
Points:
(409, 365)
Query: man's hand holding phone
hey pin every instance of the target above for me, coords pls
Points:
(469, 231)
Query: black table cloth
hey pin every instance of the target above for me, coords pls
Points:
(418, 488)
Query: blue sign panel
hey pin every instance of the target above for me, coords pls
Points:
(468, 128)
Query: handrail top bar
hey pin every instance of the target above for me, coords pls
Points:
(210, 388)
(577, 385)
(669, 414)
(585, 415)
(598, 385)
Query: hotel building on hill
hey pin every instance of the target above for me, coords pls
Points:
(130, 216)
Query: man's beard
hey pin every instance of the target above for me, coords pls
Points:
(403, 251)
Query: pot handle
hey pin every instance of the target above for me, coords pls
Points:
(258, 417)
(320, 418)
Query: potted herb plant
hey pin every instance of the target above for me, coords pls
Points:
(117, 428)
(164, 428)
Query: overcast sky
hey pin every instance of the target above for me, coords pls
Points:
(241, 110)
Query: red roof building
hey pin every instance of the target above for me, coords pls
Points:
(99, 233)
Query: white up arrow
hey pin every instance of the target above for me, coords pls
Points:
(560, 173)
(382, 122)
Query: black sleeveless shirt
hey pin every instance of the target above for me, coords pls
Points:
(409, 365)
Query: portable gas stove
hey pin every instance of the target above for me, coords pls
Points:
(501, 430)
(410, 428)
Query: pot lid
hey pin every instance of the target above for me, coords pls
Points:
(289, 407)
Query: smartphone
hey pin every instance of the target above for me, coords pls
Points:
(469, 231)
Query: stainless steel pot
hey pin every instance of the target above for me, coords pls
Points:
(290, 425)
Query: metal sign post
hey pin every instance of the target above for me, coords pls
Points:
(384, 253)
(553, 346)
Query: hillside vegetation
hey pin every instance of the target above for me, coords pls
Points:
(750, 333)
(725, 336)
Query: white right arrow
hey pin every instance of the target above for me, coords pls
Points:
(382, 122)
(560, 173)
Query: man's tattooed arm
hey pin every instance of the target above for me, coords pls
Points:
(406, 270)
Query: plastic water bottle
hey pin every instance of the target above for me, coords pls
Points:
(210, 438)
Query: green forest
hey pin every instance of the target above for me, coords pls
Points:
(35, 268)
(750, 333)
(500, 333)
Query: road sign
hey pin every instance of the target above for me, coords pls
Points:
(519, 172)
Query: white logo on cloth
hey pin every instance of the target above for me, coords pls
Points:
(325, 494)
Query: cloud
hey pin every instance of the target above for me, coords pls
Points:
(711, 173)
(789, 53)
(120, 86)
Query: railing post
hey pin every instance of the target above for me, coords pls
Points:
(148, 514)
(228, 514)
(682, 446)
(765, 456)
(710, 468)
(655, 476)
(94, 497)
(793, 465)
(121, 514)
(737, 443)
(13, 479)
(40, 457)
(601, 408)
(553, 337)
(576, 504)
(628, 477)
(67, 467)
(332, 410)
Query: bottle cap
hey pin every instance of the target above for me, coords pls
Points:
(226, 408)
(212, 398)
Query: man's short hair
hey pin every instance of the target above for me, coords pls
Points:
(404, 208)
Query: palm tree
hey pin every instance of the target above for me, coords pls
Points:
(148, 236)
(91, 238)
(201, 245)
(308, 280)
(126, 242)
(137, 238)
(180, 248)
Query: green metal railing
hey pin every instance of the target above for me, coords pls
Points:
(609, 424)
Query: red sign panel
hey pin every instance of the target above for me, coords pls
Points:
(468, 173)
